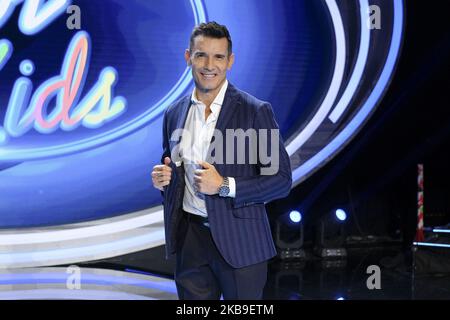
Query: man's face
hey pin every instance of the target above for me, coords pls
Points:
(210, 61)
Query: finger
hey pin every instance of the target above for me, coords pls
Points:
(162, 184)
(205, 164)
(155, 174)
(166, 176)
(159, 184)
(159, 167)
(199, 172)
(159, 174)
(162, 167)
(167, 161)
(159, 171)
(165, 173)
(165, 183)
(167, 169)
(197, 180)
(163, 179)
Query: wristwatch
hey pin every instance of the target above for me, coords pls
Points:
(224, 188)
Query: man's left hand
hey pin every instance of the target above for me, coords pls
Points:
(207, 180)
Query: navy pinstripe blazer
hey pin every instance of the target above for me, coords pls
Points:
(239, 226)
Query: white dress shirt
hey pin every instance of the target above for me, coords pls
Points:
(194, 149)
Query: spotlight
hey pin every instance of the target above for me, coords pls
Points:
(295, 216)
(330, 235)
(341, 215)
(289, 235)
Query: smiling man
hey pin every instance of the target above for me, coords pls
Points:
(214, 213)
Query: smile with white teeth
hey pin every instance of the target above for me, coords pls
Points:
(208, 76)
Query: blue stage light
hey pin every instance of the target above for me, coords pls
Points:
(341, 215)
(295, 216)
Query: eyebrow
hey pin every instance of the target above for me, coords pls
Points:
(218, 55)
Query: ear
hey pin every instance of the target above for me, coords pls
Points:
(230, 61)
(187, 57)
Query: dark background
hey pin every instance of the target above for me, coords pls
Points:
(375, 177)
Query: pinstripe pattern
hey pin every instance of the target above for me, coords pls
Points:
(239, 226)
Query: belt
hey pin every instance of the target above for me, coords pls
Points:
(197, 219)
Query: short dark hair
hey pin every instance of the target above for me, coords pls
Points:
(213, 30)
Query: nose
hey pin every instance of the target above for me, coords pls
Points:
(209, 63)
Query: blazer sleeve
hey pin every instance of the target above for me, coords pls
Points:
(165, 138)
(265, 187)
(165, 142)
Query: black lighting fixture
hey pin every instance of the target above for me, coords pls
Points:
(289, 236)
(330, 235)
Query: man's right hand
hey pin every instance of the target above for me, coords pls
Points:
(161, 174)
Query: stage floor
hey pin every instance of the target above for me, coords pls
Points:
(144, 276)
(346, 279)
(82, 283)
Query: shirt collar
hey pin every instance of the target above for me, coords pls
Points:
(218, 101)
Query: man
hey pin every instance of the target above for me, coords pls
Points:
(214, 211)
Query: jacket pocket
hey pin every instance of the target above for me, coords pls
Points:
(250, 211)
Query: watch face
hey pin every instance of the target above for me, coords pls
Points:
(224, 190)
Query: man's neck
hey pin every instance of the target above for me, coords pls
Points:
(207, 97)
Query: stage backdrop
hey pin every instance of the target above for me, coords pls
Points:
(83, 85)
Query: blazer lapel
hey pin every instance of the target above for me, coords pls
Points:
(228, 107)
(177, 121)
(230, 103)
(181, 121)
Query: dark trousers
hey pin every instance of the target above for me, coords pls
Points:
(202, 274)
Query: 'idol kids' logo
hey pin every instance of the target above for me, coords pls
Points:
(98, 106)
(64, 103)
